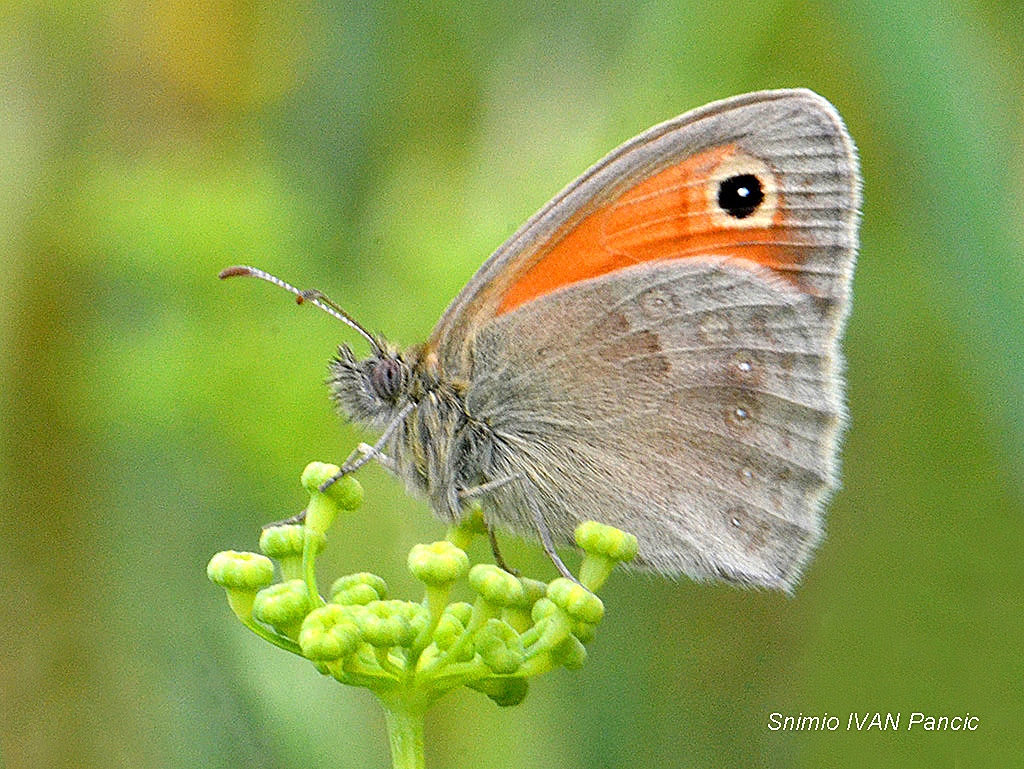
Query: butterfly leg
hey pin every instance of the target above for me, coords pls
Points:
(538, 520)
(478, 491)
(545, 537)
(485, 488)
(382, 459)
(353, 462)
(295, 520)
(496, 552)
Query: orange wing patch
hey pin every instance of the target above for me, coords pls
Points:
(722, 202)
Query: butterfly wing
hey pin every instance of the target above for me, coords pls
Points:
(658, 348)
(696, 405)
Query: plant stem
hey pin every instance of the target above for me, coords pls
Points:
(278, 640)
(309, 570)
(405, 733)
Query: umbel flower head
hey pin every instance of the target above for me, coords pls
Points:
(411, 653)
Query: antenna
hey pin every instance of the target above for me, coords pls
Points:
(314, 297)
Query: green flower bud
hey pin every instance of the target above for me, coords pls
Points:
(505, 692)
(448, 630)
(241, 575)
(551, 626)
(533, 591)
(316, 474)
(346, 493)
(284, 544)
(599, 539)
(440, 563)
(328, 633)
(519, 619)
(282, 606)
(381, 627)
(495, 585)
(571, 653)
(518, 616)
(461, 610)
(287, 540)
(576, 601)
(584, 631)
(358, 589)
(499, 646)
(419, 620)
(542, 609)
(357, 595)
(246, 572)
(450, 627)
(391, 623)
(554, 631)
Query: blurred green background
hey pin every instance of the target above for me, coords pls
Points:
(152, 415)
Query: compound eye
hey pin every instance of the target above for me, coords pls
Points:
(387, 378)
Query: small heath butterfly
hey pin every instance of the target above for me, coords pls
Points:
(657, 349)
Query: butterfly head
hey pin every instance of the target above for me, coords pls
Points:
(374, 389)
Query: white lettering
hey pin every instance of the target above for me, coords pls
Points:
(966, 722)
(866, 722)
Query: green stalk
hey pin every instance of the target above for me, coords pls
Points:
(405, 733)
(309, 569)
(268, 635)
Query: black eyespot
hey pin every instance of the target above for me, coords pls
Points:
(387, 378)
(740, 195)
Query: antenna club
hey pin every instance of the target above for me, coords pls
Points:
(231, 272)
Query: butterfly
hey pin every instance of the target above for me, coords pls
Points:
(657, 349)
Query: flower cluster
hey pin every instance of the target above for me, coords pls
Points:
(410, 653)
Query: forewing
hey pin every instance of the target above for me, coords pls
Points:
(660, 197)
